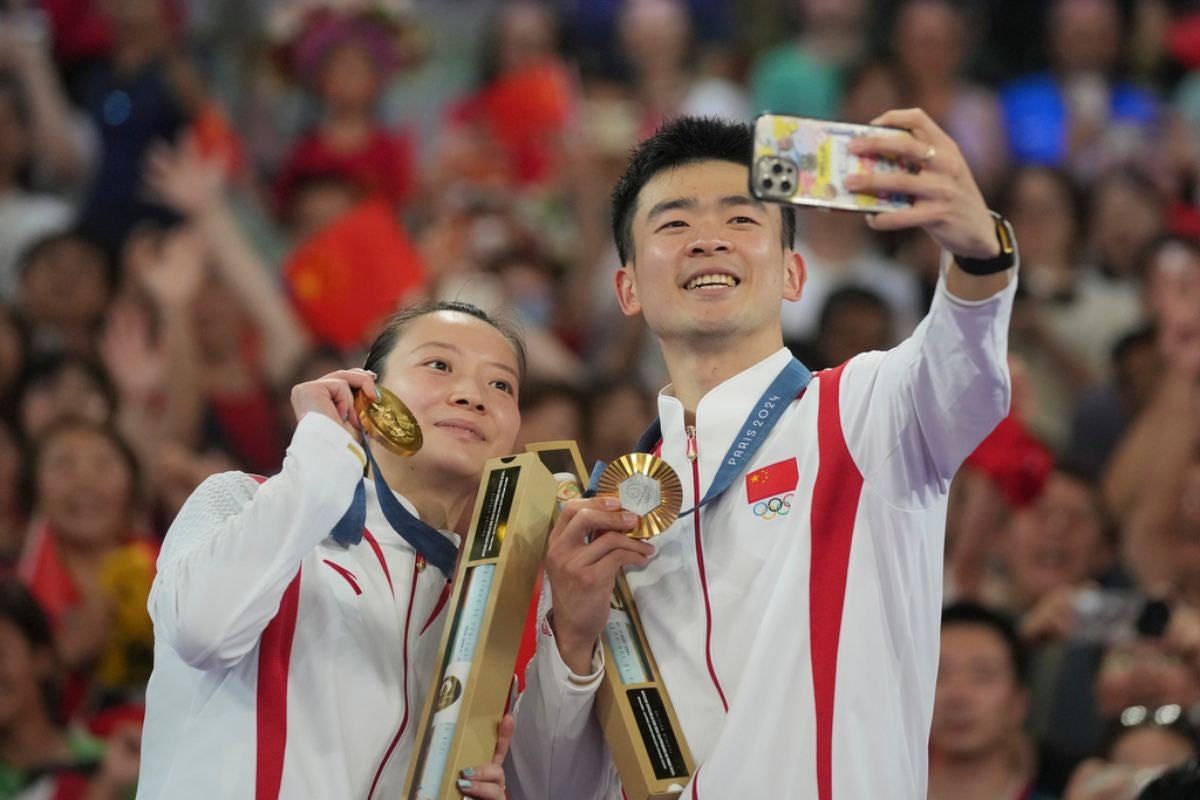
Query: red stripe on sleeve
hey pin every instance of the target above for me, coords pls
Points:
(834, 507)
(274, 658)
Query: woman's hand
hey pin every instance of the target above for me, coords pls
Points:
(487, 781)
(333, 396)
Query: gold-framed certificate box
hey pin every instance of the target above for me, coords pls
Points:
(636, 715)
(493, 585)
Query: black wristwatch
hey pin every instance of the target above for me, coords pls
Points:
(999, 263)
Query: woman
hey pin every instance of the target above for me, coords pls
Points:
(300, 664)
(89, 561)
(39, 757)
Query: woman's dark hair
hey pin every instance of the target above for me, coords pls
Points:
(19, 608)
(27, 484)
(395, 326)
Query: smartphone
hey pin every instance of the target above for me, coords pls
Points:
(804, 161)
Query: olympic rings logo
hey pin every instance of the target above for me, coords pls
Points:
(775, 507)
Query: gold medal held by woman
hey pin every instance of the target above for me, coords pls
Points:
(388, 421)
(646, 486)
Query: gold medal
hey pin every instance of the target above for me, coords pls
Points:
(389, 421)
(648, 487)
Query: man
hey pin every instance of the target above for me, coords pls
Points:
(975, 745)
(799, 649)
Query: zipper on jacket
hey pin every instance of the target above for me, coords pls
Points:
(702, 570)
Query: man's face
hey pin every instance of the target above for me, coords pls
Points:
(978, 704)
(708, 260)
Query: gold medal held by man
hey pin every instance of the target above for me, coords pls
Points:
(646, 486)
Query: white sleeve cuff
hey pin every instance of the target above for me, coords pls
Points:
(560, 673)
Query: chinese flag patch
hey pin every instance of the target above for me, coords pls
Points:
(772, 480)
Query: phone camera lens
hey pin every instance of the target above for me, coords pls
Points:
(768, 183)
(777, 169)
(786, 186)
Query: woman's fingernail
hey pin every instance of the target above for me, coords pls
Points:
(464, 784)
(629, 518)
(468, 772)
(612, 503)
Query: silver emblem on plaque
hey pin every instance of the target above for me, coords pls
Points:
(640, 494)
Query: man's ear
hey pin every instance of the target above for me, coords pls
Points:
(626, 285)
(794, 275)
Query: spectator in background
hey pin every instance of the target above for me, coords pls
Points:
(1179, 783)
(550, 412)
(1142, 744)
(804, 76)
(1066, 318)
(345, 57)
(510, 132)
(39, 756)
(615, 407)
(1125, 214)
(1102, 415)
(1053, 547)
(931, 40)
(66, 281)
(976, 747)
(657, 43)
(25, 215)
(143, 92)
(853, 320)
(1151, 481)
(57, 386)
(1080, 115)
(89, 560)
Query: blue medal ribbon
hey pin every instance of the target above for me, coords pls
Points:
(424, 538)
(767, 412)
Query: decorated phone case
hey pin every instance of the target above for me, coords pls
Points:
(804, 161)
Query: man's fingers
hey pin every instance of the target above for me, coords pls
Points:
(916, 120)
(573, 534)
(620, 557)
(925, 187)
(902, 218)
(899, 146)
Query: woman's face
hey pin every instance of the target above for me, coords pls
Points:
(350, 78)
(1041, 218)
(22, 670)
(459, 376)
(85, 488)
(928, 39)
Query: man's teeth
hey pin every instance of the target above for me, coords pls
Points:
(711, 280)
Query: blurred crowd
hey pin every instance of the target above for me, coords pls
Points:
(204, 202)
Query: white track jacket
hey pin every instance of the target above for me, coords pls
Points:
(798, 639)
(287, 665)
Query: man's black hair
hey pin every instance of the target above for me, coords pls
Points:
(382, 347)
(679, 142)
(1180, 783)
(966, 613)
